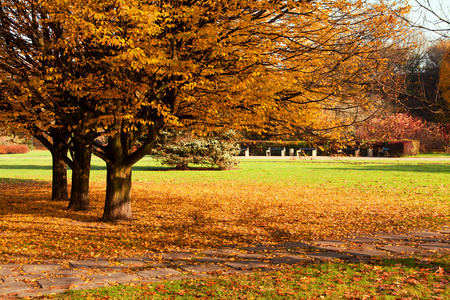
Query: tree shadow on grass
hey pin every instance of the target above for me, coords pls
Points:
(413, 168)
(33, 197)
(41, 167)
(94, 167)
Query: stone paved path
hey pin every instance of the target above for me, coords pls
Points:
(28, 281)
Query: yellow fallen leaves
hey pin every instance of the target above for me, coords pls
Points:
(200, 215)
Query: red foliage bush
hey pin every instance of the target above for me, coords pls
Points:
(13, 149)
(396, 127)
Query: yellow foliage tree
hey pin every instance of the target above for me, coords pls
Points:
(127, 68)
(444, 82)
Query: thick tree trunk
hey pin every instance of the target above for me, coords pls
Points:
(118, 194)
(79, 195)
(59, 169)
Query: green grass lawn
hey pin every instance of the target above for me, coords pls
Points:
(259, 202)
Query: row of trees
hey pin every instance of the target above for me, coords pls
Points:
(105, 77)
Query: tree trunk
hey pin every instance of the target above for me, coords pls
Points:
(118, 194)
(79, 195)
(59, 169)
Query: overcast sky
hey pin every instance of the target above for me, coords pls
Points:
(427, 18)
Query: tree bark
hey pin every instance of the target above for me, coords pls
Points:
(118, 194)
(79, 195)
(59, 171)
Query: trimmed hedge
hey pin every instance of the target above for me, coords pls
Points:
(395, 148)
(13, 149)
(403, 148)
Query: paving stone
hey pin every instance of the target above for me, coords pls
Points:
(363, 240)
(247, 264)
(33, 269)
(148, 280)
(89, 286)
(329, 248)
(237, 272)
(6, 272)
(328, 255)
(97, 278)
(250, 256)
(177, 278)
(292, 245)
(399, 249)
(366, 252)
(435, 246)
(68, 273)
(209, 259)
(158, 273)
(60, 282)
(13, 287)
(123, 278)
(178, 255)
(288, 259)
(159, 265)
(395, 237)
(40, 292)
(429, 240)
(260, 248)
(101, 263)
(426, 234)
(132, 261)
(223, 251)
(11, 266)
(29, 277)
(202, 268)
(118, 277)
(329, 242)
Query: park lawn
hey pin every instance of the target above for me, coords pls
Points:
(260, 202)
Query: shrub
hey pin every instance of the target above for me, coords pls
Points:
(13, 149)
(180, 149)
(402, 148)
(395, 127)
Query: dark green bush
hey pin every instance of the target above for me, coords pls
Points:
(180, 149)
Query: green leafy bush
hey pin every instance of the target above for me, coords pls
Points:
(180, 149)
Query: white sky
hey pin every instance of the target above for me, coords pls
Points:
(427, 18)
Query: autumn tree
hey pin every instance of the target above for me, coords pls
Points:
(444, 82)
(126, 69)
(31, 97)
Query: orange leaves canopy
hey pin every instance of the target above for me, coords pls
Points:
(246, 64)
